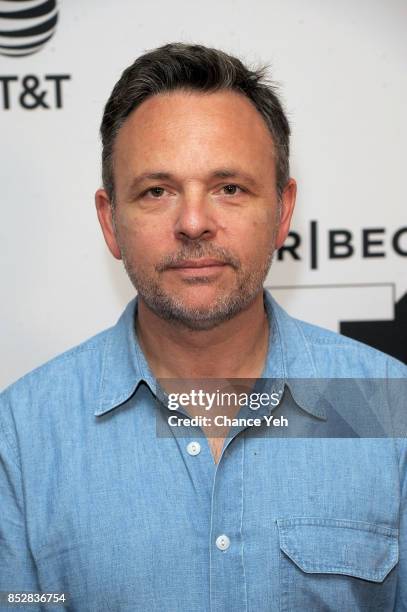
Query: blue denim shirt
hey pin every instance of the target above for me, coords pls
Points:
(93, 503)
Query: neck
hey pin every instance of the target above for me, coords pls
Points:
(236, 348)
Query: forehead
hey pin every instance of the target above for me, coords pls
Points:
(193, 129)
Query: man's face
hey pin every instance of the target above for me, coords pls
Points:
(197, 215)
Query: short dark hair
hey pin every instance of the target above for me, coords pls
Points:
(192, 67)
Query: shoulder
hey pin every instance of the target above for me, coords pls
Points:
(53, 379)
(345, 356)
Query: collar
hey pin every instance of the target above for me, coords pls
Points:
(289, 360)
(124, 366)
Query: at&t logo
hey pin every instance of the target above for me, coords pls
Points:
(25, 27)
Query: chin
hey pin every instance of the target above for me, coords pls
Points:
(200, 296)
(198, 305)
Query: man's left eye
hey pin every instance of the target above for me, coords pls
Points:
(232, 189)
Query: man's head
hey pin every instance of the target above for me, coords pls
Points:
(195, 173)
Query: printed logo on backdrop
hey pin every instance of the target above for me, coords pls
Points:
(26, 27)
(368, 312)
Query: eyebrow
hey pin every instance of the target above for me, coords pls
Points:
(224, 173)
(234, 173)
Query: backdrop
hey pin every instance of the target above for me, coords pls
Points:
(342, 71)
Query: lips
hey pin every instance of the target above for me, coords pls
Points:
(198, 263)
(199, 270)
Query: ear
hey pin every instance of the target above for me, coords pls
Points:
(105, 216)
(287, 209)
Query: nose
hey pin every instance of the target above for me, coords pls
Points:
(196, 217)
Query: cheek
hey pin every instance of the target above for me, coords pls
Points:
(252, 238)
(143, 242)
(264, 230)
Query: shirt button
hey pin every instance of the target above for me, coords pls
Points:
(193, 448)
(222, 542)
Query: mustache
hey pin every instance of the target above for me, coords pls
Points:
(197, 251)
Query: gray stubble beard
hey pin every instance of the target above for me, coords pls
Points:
(224, 308)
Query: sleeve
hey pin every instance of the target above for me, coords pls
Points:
(401, 595)
(397, 373)
(17, 568)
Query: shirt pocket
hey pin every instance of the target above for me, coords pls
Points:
(328, 565)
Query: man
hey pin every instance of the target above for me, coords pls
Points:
(101, 498)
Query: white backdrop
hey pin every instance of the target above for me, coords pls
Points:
(342, 70)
